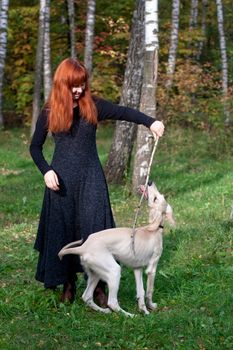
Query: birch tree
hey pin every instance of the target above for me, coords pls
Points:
(38, 67)
(148, 102)
(89, 35)
(223, 50)
(173, 43)
(47, 51)
(3, 43)
(71, 13)
(121, 149)
(231, 213)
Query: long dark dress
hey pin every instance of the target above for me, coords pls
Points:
(81, 206)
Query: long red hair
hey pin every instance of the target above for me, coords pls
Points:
(70, 73)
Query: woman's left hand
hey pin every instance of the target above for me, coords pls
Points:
(157, 128)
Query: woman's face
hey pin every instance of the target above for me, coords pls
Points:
(77, 91)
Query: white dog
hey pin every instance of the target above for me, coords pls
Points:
(101, 251)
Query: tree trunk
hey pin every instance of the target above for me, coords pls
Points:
(231, 213)
(38, 69)
(148, 102)
(89, 36)
(203, 28)
(47, 52)
(70, 6)
(193, 14)
(173, 43)
(121, 149)
(224, 60)
(3, 44)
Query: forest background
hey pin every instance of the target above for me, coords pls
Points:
(193, 168)
(196, 97)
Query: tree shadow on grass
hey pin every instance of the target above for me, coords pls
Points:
(185, 180)
(209, 250)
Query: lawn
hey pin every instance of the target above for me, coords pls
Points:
(194, 284)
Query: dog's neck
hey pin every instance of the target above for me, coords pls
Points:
(156, 221)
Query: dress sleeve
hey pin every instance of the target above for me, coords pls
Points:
(38, 139)
(108, 110)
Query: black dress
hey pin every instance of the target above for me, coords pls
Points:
(81, 206)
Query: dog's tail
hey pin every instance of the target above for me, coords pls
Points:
(71, 248)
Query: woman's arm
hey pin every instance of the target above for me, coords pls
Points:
(108, 110)
(36, 146)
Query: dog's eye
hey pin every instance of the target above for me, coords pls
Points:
(155, 199)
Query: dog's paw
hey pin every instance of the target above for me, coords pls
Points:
(145, 312)
(106, 310)
(143, 309)
(128, 314)
(152, 306)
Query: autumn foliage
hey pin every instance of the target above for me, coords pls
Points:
(195, 98)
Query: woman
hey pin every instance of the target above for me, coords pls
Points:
(76, 201)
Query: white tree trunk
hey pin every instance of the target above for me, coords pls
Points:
(89, 35)
(70, 5)
(47, 52)
(3, 44)
(223, 58)
(38, 69)
(148, 102)
(193, 14)
(121, 149)
(173, 42)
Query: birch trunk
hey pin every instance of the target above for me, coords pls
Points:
(120, 154)
(173, 43)
(148, 102)
(47, 52)
(70, 6)
(3, 46)
(223, 50)
(89, 35)
(38, 69)
(231, 214)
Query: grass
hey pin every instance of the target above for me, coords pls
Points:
(195, 275)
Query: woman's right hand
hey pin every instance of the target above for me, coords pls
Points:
(51, 180)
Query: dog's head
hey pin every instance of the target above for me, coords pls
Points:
(157, 203)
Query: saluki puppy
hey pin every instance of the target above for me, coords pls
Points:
(102, 250)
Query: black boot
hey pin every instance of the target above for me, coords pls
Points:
(100, 296)
(69, 292)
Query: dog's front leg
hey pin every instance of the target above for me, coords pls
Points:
(151, 271)
(140, 291)
(149, 292)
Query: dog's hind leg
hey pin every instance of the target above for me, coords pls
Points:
(113, 280)
(87, 296)
(140, 291)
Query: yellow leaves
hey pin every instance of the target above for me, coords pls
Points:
(6, 172)
(118, 26)
(195, 95)
(19, 62)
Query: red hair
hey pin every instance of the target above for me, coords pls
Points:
(70, 73)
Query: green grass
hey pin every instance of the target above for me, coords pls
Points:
(195, 276)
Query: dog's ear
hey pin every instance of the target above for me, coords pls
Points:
(169, 215)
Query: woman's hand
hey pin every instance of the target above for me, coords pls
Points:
(157, 128)
(51, 180)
